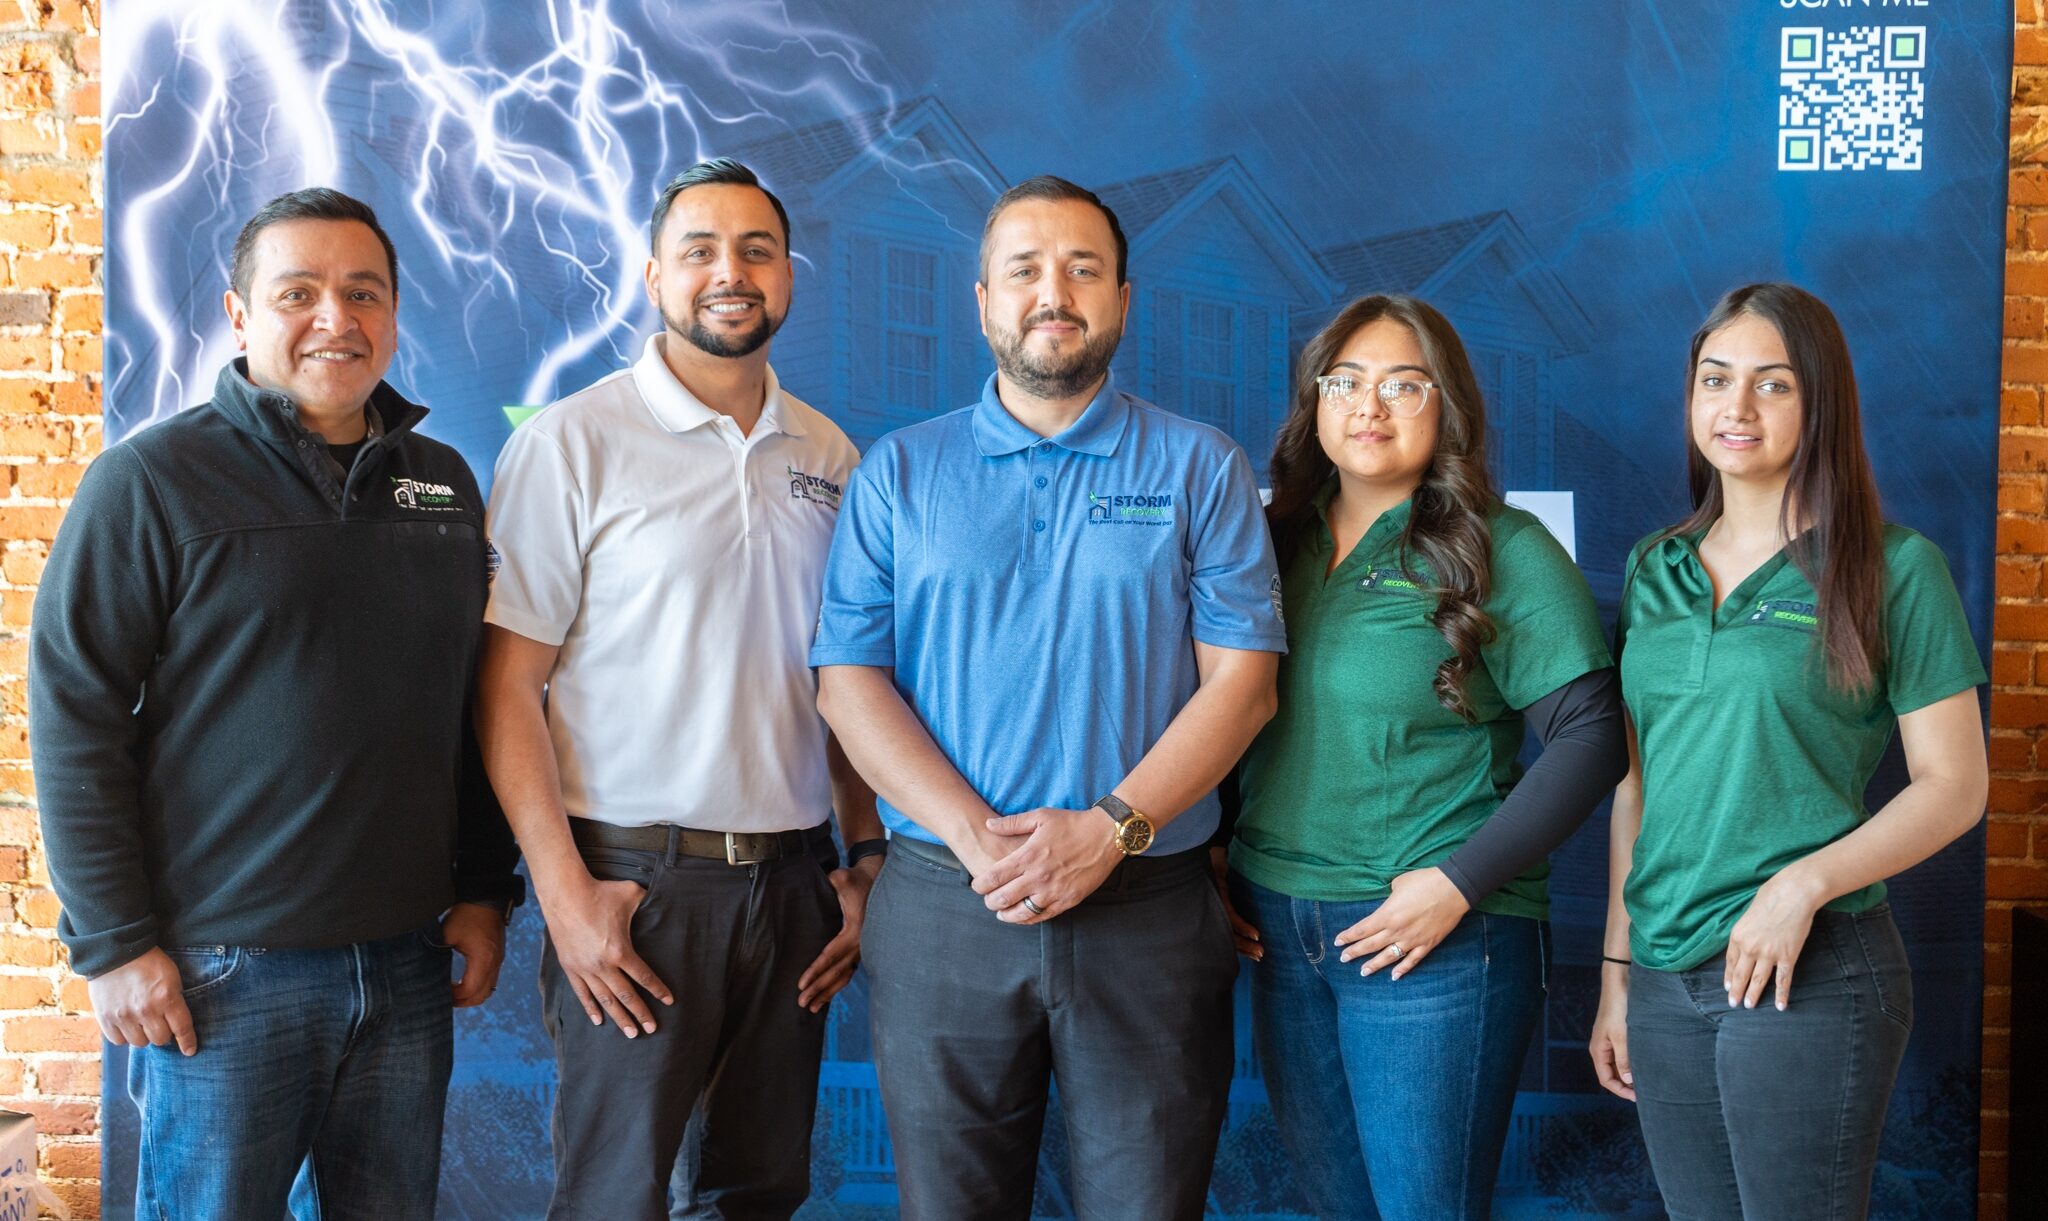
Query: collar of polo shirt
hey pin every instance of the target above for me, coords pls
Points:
(1100, 428)
(677, 410)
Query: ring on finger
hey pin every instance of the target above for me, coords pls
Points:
(1031, 906)
(1398, 951)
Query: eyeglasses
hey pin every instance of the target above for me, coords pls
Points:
(1402, 396)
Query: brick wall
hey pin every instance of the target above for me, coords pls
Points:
(50, 191)
(2017, 837)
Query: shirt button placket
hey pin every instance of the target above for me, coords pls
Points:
(1037, 506)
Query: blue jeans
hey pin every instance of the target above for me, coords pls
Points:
(1757, 1115)
(334, 1059)
(1392, 1097)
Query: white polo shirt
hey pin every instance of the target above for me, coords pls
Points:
(679, 566)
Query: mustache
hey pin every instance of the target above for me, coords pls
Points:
(1053, 315)
(716, 298)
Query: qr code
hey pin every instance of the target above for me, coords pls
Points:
(1852, 99)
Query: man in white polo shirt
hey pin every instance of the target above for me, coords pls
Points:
(649, 722)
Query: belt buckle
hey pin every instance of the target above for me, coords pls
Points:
(732, 856)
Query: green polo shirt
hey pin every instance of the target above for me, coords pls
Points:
(1750, 759)
(1363, 775)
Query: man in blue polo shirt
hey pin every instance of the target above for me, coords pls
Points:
(1049, 629)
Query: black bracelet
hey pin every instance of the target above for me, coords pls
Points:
(1611, 958)
(856, 853)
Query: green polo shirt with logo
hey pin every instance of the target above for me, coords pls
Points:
(1363, 775)
(1750, 759)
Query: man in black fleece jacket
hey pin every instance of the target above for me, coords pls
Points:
(249, 672)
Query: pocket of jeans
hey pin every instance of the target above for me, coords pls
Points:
(202, 968)
(1884, 956)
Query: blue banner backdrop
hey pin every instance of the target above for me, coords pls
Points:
(1573, 184)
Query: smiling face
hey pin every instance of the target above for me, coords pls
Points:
(1366, 441)
(320, 323)
(1746, 410)
(720, 273)
(1050, 304)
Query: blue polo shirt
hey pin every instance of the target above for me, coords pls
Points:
(1039, 597)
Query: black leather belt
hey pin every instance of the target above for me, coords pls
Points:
(732, 847)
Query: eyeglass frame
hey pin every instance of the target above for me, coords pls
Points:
(1379, 391)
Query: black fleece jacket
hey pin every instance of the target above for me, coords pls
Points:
(249, 687)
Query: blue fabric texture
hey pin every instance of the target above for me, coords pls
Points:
(1037, 597)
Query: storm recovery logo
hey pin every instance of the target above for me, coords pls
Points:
(419, 494)
(812, 487)
(1132, 510)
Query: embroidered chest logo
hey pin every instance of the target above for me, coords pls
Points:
(1110, 509)
(1784, 612)
(1390, 580)
(418, 494)
(812, 487)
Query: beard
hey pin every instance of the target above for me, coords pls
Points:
(718, 343)
(1055, 376)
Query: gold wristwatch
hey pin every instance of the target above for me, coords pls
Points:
(1133, 830)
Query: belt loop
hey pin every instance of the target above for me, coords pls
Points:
(675, 844)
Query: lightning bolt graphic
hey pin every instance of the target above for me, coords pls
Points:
(513, 152)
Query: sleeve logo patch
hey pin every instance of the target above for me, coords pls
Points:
(420, 495)
(493, 561)
(1784, 612)
(1111, 509)
(812, 487)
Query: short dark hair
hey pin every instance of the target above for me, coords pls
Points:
(718, 171)
(1049, 187)
(310, 203)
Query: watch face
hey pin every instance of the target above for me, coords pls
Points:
(1134, 835)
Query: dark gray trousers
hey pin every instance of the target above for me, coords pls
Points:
(1757, 1115)
(1124, 1001)
(736, 1049)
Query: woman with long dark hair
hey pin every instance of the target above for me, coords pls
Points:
(1387, 875)
(1755, 998)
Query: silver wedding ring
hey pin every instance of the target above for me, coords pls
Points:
(1396, 947)
(1033, 908)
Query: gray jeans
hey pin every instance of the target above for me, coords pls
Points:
(735, 1049)
(1757, 1115)
(1124, 1001)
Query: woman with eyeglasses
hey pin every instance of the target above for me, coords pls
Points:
(1387, 875)
(1755, 997)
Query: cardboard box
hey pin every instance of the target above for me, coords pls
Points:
(22, 1197)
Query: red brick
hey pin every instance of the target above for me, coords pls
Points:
(2030, 46)
(79, 271)
(38, 908)
(58, 1118)
(58, 480)
(2024, 316)
(2018, 535)
(81, 354)
(77, 1077)
(2033, 232)
(73, 996)
(82, 1197)
(23, 566)
(2016, 576)
(50, 1034)
(85, 54)
(2016, 493)
(33, 437)
(2006, 839)
(71, 1161)
(2009, 881)
(2009, 752)
(27, 950)
(85, 99)
(26, 992)
(82, 226)
(2018, 406)
(49, 184)
(76, 398)
(2020, 621)
(83, 312)
(83, 141)
(2017, 794)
